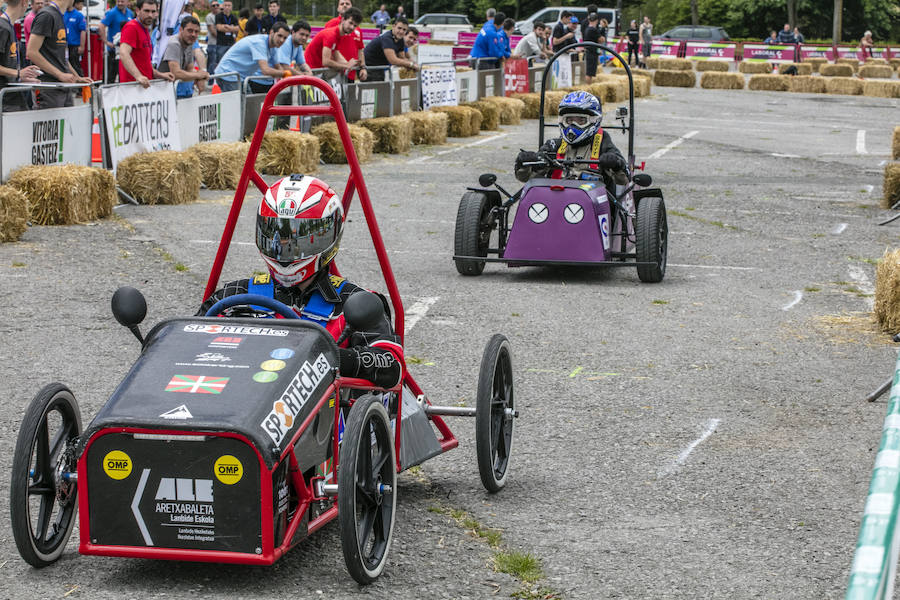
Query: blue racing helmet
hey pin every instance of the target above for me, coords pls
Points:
(580, 114)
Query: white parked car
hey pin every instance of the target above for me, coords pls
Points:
(443, 26)
(550, 16)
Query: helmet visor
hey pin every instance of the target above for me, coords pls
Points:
(577, 120)
(288, 240)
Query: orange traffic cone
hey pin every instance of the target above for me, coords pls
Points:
(96, 152)
(296, 125)
(216, 89)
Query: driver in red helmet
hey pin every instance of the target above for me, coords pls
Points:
(298, 231)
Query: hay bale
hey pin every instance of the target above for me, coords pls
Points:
(753, 68)
(532, 102)
(815, 62)
(551, 102)
(635, 73)
(65, 194)
(895, 144)
(703, 66)
(876, 72)
(464, 121)
(894, 62)
(613, 89)
(463, 69)
(163, 177)
(887, 291)
(841, 70)
(407, 73)
(510, 108)
(428, 127)
(652, 62)
(220, 163)
(713, 80)
(808, 84)
(667, 78)
(490, 114)
(849, 86)
(876, 61)
(287, 152)
(332, 150)
(853, 63)
(769, 83)
(891, 185)
(14, 213)
(803, 69)
(678, 64)
(881, 88)
(393, 135)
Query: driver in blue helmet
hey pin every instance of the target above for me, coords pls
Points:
(299, 223)
(582, 138)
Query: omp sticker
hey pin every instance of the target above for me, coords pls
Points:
(604, 231)
(117, 464)
(298, 392)
(282, 353)
(265, 377)
(228, 469)
(234, 329)
(272, 365)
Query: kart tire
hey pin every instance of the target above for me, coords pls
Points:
(494, 414)
(652, 239)
(45, 447)
(367, 489)
(473, 232)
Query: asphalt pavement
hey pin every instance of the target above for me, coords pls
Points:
(701, 437)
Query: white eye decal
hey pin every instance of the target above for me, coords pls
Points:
(573, 213)
(538, 212)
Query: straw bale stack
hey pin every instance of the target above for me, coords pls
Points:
(14, 212)
(407, 73)
(891, 185)
(837, 70)
(876, 72)
(613, 89)
(895, 144)
(894, 62)
(803, 68)
(428, 127)
(551, 102)
(635, 73)
(490, 114)
(678, 64)
(65, 194)
(702, 66)
(464, 121)
(510, 108)
(331, 149)
(876, 61)
(163, 177)
(667, 78)
(286, 152)
(815, 62)
(393, 135)
(849, 86)
(754, 68)
(532, 102)
(463, 69)
(770, 83)
(853, 63)
(714, 80)
(652, 62)
(881, 88)
(887, 291)
(220, 163)
(808, 84)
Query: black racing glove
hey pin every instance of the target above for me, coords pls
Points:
(374, 364)
(526, 156)
(611, 160)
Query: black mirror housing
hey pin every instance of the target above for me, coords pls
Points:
(129, 306)
(642, 179)
(486, 179)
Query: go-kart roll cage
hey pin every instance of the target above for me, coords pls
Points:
(355, 184)
(629, 128)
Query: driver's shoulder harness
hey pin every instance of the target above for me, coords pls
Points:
(595, 153)
(317, 308)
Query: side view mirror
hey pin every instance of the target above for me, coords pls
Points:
(486, 179)
(129, 307)
(642, 179)
(363, 311)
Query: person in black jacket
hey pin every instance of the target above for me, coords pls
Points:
(634, 38)
(591, 34)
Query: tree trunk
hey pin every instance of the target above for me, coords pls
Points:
(792, 12)
(838, 14)
(695, 14)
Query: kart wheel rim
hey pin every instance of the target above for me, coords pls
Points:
(374, 499)
(663, 241)
(502, 405)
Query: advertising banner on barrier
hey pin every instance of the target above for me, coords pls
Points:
(467, 86)
(855, 52)
(709, 51)
(466, 38)
(45, 137)
(209, 118)
(665, 48)
(140, 119)
(439, 87)
(432, 53)
(769, 53)
(515, 73)
(561, 76)
(826, 52)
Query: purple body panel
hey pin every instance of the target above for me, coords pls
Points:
(571, 224)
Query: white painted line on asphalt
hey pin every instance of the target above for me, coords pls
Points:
(882, 163)
(683, 455)
(779, 155)
(863, 283)
(869, 187)
(725, 267)
(422, 159)
(672, 144)
(417, 311)
(839, 229)
(861, 142)
(798, 296)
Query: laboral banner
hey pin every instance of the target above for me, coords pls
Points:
(561, 76)
(140, 119)
(769, 53)
(826, 52)
(439, 87)
(664, 48)
(515, 72)
(209, 118)
(45, 137)
(709, 51)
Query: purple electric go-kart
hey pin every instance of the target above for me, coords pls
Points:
(565, 220)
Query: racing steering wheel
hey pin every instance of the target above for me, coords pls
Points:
(250, 300)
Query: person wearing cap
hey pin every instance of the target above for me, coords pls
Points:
(76, 34)
(564, 32)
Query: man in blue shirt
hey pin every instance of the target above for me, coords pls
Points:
(381, 17)
(253, 56)
(110, 27)
(488, 45)
(291, 51)
(75, 34)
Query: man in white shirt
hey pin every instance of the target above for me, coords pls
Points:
(533, 45)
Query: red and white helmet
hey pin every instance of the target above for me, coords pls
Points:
(298, 228)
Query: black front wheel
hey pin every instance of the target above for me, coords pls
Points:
(367, 489)
(43, 491)
(495, 414)
(473, 232)
(652, 239)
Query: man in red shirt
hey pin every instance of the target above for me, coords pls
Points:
(343, 6)
(135, 48)
(337, 48)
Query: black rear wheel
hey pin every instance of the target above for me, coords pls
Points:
(652, 239)
(42, 493)
(495, 414)
(473, 232)
(367, 489)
